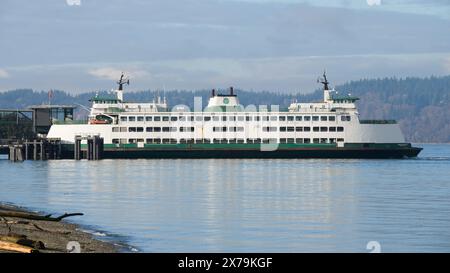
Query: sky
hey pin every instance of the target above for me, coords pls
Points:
(275, 45)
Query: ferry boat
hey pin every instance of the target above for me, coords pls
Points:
(331, 128)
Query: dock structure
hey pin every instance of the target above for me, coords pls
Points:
(94, 150)
(37, 149)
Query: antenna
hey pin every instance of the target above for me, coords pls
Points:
(324, 81)
(123, 81)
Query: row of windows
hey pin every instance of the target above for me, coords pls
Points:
(229, 129)
(232, 118)
(227, 141)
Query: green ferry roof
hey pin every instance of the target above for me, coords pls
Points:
(96, 98)
(344, 98)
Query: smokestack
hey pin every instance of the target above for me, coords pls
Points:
(213, 93)
(231, 91)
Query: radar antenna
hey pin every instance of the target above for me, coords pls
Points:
(123, 81)
(324, 81)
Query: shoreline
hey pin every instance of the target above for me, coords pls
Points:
(55, 236)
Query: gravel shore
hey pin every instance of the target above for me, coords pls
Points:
(54, 235)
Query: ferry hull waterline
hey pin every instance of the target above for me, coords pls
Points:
(225, 129)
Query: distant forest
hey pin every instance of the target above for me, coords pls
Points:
(420, 105)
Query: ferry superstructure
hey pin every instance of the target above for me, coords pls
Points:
(226, 129)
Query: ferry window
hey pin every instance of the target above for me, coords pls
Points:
(232, 129)
(224, 140)
(148, 140)
(132, 129)
(157, 118)
(131, 118)
(157, 140)
(323, 140)
(156, 129)
(331, 118)
(306, 140)
(315, 118)
(315, 140)
(306, 129)
(139, 129)
(332, 129)
(323, 118)
(166, 140)
(240, 129)
(123, 129)
(273, 118)
(123, 118)
(307, 118)
(224, 118)
(240, 141)
(173, 118)
(173, 129)
(269, 129)
(299, 140)
(115, 141)
(148, 118)
(215, 118)
(182, 118)
(182, 141)
(290, 118)
(198, 118)
(298, 118)
(291, 129)
(166, 129)
(149, 129)
(207, 118)
(232, 141)
(332, 140)
(190, 118)
(257, 141)
(140, 140)
(132, 140)
(207, 141)
(248, 118)
(282, 118)
(265, 118)
(257, 118)
(299, 129)
(315, 129)
(199, 141)
(340, 129)
(215, 140)
(290, 140)
(282, 129)
(165, 118)
(340, 140)
(324, 129)
(231, 118)
(116, 129)
(240, 118)
(123, 141)
(140, 118)
(282, 140)
(345, 118)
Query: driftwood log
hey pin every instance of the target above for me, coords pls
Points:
(22, 240)
(31, 216)
(8, 246)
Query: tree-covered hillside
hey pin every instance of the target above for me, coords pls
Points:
(421, 105)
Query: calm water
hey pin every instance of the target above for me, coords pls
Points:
(247, 205)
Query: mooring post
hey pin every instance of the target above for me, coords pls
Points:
(34, 149)
(77, 148)
(26, 149)
(89, 148)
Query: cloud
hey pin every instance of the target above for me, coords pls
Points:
(4, 73)
(111, 73)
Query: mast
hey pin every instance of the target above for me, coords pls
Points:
(121, 82)
(326, 89)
